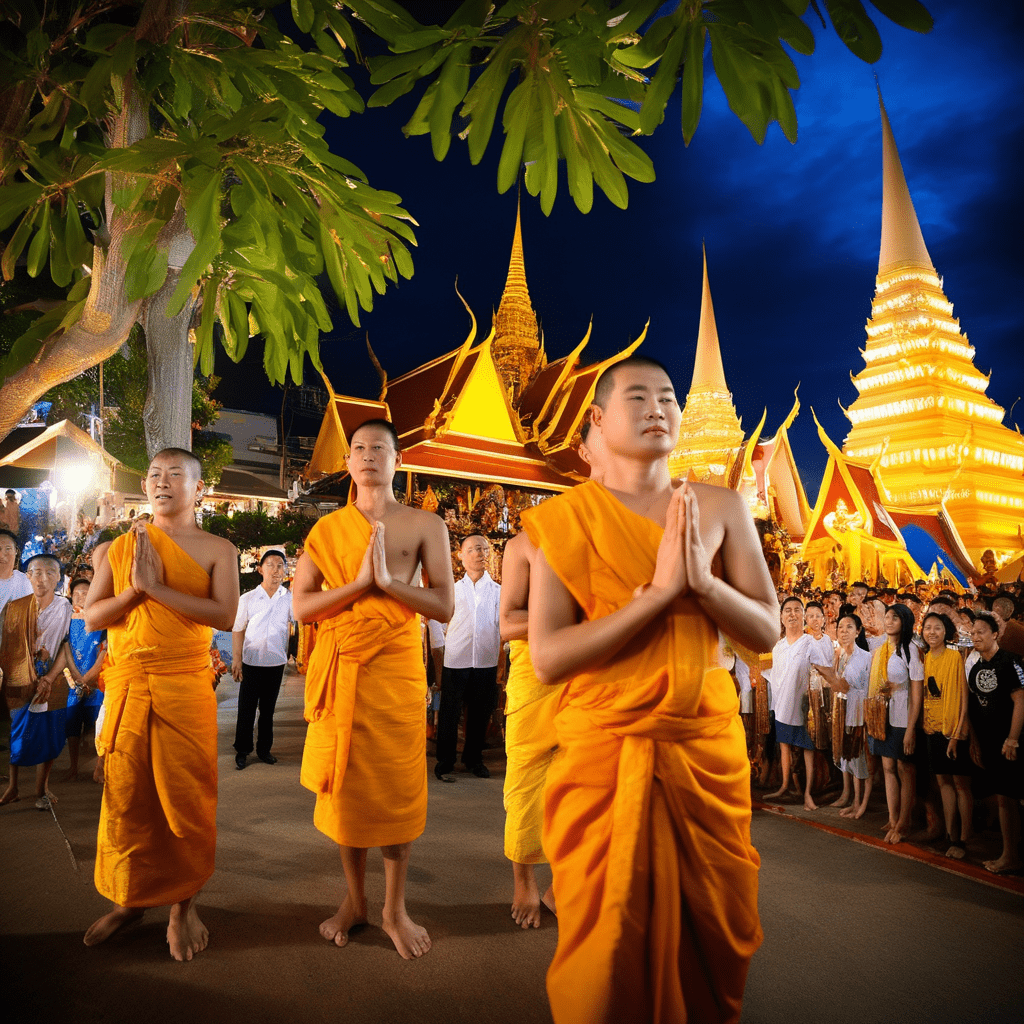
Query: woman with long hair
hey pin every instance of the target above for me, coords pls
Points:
(944, 720)
(995, 707)
(849, 682)
(792, 659)
(897, 678)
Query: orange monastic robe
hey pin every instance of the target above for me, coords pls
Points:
(158, 821)
(647, 806)
(365, 755)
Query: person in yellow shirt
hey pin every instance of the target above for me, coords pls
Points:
(159, 591)
(365, 751)
(647, 806)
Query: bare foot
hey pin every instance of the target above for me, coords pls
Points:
(97, 774)
(1002, 866)
(548, 899)
(46, 794)
(101, 930)
(859, 813)
(843, 801)
(525, 897)
(336, 928)
(186, 934)
(10, 796)
(777, 794)
(409, 938)
(894, 836)
(889, 826)
(809, 804)
(69, 776)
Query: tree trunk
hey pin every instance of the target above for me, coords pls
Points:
(167, 414)
(107, 319)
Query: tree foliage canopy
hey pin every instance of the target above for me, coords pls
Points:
(590, 76)
(174, 146)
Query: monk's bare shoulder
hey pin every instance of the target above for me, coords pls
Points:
(520, 547)
(207, 548)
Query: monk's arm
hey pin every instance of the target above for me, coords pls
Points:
(743, 603)
(513, 618)
(103, 607)
(436, 601)
(311, 603)
(559, 645)
(217, 610)
(90, 677)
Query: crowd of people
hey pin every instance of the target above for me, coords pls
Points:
(636, 609)
(923, 688)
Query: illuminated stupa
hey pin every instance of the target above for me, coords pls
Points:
(710, 435)
(922, 416)
(517, 346)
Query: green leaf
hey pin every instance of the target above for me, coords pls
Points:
(577, 166)
(651, 46)
(909, 13)
(39, 250)
(15, 199)
(481, 105)
(693, 83)
(145, 272)
(201, 198)
(652, 113)
(386, 18)
(18, 241)
(302, 12)
(79, 249)
(855, 28)
(60, 268)
(451, 88)
(204, 332)
(548, 161)
(516, 119)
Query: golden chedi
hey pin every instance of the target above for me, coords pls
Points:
(710, 434)
(922, 415)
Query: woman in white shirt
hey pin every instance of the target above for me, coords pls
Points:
(792, 659)
(898, 672)
(849, 683)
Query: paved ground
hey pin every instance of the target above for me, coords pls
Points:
(852, 932)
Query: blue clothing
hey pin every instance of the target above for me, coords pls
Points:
(794, 735)
(85, 649)
(36, 736)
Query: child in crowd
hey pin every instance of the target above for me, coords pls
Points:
(85, 654)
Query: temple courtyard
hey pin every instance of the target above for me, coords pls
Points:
(853, 932)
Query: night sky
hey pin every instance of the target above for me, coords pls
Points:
(792, 232)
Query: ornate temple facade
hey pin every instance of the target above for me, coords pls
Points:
(922, 418)
(710, 433)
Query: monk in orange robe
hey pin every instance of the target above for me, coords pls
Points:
(366, 687)
(158, 590)
(647, 806)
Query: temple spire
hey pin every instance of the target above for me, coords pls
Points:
(708, 371)
(902, 241)
(516, 344)
(515, 318)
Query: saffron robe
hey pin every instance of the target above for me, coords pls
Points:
(365, 754)
(158, 819)
(647, 806)
(530, 745)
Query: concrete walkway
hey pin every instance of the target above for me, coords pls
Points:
(852, 933)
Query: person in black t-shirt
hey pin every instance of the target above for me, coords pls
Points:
(995, 707)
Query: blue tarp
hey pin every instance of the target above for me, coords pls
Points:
(925, 550)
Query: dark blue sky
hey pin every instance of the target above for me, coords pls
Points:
(792, 231)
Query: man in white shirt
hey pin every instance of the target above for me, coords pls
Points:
(13, 582)
(471, 649)
(259, 653)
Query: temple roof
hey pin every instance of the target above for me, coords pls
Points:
(902, 241)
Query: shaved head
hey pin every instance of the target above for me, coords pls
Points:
(606, 381)
(186, 459)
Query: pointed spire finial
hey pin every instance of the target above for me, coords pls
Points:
(902, 241)
(707, 364)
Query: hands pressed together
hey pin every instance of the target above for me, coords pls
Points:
(374, 567)
(147, 567)
(683, 565)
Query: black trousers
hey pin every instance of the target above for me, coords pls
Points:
(477, 688)
(258, 690)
